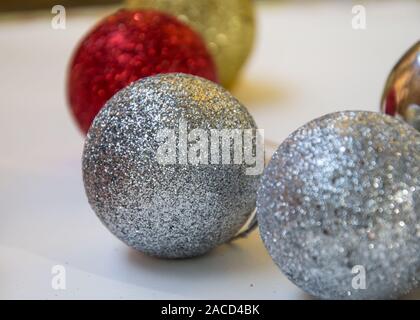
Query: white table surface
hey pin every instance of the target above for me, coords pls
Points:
(308, 61)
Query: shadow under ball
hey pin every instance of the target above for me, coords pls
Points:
(166, 209)
(401, 97)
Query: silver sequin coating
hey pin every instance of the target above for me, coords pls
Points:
(168, 211)
(341, 194)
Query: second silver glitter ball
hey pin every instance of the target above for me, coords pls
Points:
(339, 206)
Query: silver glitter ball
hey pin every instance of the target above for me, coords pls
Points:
(159, 206)
(339, 206)
(401, 97)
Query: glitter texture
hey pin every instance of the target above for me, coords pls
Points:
(343, 191)
(169, 211)
(125, 47)
(227, 26)
(401, 97)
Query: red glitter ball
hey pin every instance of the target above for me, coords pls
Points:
(125, 47)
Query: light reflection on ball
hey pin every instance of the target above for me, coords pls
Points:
(401, 97)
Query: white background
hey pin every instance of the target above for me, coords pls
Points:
(308, 61)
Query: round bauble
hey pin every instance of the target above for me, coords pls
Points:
(339, 206)
(147, 181)
(125, 47)
(401, 97)
(228, 28)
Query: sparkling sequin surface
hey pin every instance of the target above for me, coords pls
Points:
(176, 210)
(227, 26)
(125, 47)
(401, 97)
(342, 194)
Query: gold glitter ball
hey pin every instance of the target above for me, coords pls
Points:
(228, 28)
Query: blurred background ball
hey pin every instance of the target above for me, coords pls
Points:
(125, 47)
(227, 26)
(401, 95)
(166, 210)
(340, 194)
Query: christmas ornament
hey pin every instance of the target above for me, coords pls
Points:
(228, 27)
(401, 95)
(141, 175)
(339, 206)
(127, 46)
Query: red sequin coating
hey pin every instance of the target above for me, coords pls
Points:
(125, 47)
